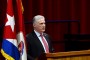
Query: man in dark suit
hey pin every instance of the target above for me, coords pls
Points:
(38, 42)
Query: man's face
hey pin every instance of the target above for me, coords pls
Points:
(39, 25)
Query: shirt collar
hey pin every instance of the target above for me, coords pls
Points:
(38, 34)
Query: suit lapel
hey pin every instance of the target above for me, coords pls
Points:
(37, 41)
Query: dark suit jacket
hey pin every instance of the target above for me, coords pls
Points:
(34, 46)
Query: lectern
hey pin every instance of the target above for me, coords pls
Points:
(71, 55)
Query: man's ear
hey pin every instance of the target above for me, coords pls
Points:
(33, 25)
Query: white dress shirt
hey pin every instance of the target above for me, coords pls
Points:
(38, 35)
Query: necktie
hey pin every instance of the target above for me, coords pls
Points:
(45, 44)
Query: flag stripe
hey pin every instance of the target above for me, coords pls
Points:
(10, 49)
(13, 41)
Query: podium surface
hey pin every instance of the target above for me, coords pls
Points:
(71, 55)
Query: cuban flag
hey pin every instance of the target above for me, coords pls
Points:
(13, 45)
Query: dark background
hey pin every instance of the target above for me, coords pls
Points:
(63, 17)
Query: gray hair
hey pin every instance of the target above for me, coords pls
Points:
(37, 17)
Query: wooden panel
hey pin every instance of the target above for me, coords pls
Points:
(68, 58)
(72, 55)
(88, 57)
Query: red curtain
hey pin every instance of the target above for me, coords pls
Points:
(53, 10)
(59, 10)
(56, 11)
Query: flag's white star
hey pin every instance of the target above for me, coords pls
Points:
(10, 21)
